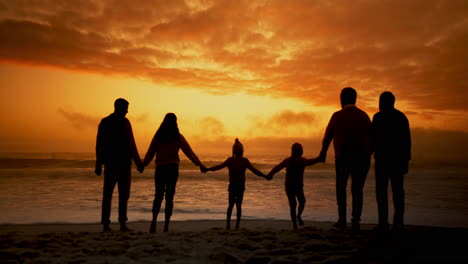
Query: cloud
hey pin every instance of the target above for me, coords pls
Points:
(82, 121)
(78, 120)
(285, 123)
(300, 49)
(289, 118)
(211, 127)
(143, 118)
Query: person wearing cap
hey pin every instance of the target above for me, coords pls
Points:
(165, 146)
(115, 149)
(237, 165)
(294, 181)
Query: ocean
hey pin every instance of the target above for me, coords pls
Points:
(62, 188)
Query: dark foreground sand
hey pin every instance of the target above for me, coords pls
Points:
(258, 241)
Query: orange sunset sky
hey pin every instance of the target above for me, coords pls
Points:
(268, 72)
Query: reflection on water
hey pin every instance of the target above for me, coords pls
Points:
(74, 195)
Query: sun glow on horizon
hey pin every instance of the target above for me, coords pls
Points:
(70, 105)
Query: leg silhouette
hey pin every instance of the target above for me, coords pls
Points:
(301, 199)
(342, 175)
(359, 174)
(156, 207)
(229, 213)
(124, 185)
(381, 192)
(239, 212)
(108, 189)
(398, 200)
(292, 208)
(160, 187)
(170, 192)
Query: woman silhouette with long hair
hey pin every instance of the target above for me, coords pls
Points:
(165, 145)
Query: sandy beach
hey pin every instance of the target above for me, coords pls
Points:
(258, 241)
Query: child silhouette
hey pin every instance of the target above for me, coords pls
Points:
(237, 164)
(294, 181)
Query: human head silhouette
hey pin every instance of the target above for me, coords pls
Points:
(296, 150)
(170, 119)
(121, 107)
(237, 148)
(348, 96)
(168, 130)
(386, 101)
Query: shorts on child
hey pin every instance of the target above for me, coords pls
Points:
(236, 191)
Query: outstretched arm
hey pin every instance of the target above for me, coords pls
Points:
(327, 138)
(313, 161)
(254, 170)
(151, 151)
(133, 148)
(184, 145)
(407, 137)
(407, 144)
(218, 167)
(99, 151)
(276, 169)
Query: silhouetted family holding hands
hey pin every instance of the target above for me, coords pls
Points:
(355, 138)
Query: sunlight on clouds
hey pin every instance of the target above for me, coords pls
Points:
(199, 5)
(199, 63)
(285, 46)
(242, 63)
(264, 29)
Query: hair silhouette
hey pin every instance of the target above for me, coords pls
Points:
(165, 145)
(348, 96)
(168, 131)
(237, 148)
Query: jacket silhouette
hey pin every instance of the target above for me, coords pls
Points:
(392, 139)
(350, 129)
(115, 149)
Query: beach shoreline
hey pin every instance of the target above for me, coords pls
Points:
(143, 226)
(206, 241)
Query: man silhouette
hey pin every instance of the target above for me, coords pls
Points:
(392, 154)
(115, 149)
(350, 129)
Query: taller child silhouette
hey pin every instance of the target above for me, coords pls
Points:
(115, 149)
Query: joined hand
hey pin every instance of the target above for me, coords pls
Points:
(322, 157)
(203, 169)
(98, 170)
